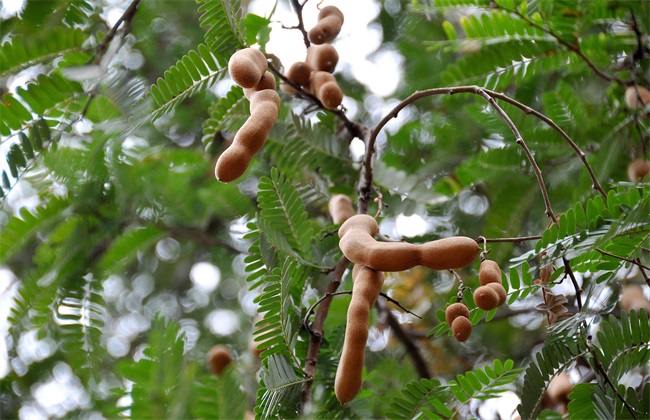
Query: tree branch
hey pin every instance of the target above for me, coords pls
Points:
(316, 337)
(125, 19)
(301, 25)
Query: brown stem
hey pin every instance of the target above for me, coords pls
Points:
(569, 271)
(571, 47)
(301, 25)
(515, 240)
(316, 336)
(618, 257)
(125, 19)
(411, 347)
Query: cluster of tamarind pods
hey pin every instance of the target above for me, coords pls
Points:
(372, 258)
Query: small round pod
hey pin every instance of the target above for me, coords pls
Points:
(461, 328)
(322, 57)
(267, 82)
(247, 66)
(489, 272)
(486, 298)
(454, 311)
(638, 169)
(299, 73)
(340, 208)
(637, 97)
(500, 291)
(330, 20)
(218, 358)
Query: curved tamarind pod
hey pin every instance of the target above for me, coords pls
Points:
(324, 86)
(266, 82)
(250, 138)
(330, 20)
(340, 208)
(247, 66)
(489, 272)
(637, 97)
(322, 57)
(299, 73)
(359, 246)
(366, 289)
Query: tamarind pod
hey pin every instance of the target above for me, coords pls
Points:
(299, 73)
(318, 79)
(637, 97)
(322, 57)
(489, 272)
(247, 66)
(449, 253)
(461, 328)
(455, 310)
(365, 291)
(486, 298)
(359, 246)
(500, 291)
(330, 11)
(325, 30)
(267, 82)
(326, 89)
(340, 208)
(286, 88)
(638, 169)
(219, 358)
(250, 138)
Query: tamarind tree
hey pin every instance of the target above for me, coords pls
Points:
(522, 124)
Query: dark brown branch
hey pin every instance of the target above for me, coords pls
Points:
(530, 111)
(618, 257)
(125, 19)
(575, 48)
(316, 337)
(476, 90)
(301, 25)
(569, 271)
(409, 343)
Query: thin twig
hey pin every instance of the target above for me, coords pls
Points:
(572, 276)
(601, 370)
(301, 25)
(515, 240)
(643, 273)
(125, 19)
(571, 47)
(316, 336)
(411, 347)
(618, 257)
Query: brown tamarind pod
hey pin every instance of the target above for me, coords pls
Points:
(266, 82)
(486, 298)
(455, 310)
(638, 169)
(299, 73)
(322, 57)
(637, 97)
(500, 291)
(365, 290)
(286, 88)
(247, 66)
(324, 86)
(489, 272)
(330, 20)
(340, 208)
(461, 328)
(359, 246)
(632, 297)
(218, 358)
(250, 138)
